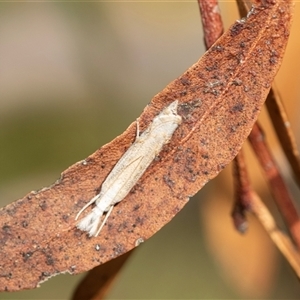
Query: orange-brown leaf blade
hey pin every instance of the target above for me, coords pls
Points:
(220, 97)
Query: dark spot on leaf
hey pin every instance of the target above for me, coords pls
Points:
(233, 129)
(136, 207)
(203, 142)
(239, 107)
(49, 260)
(72, 269)
(139, 220)
(6, 228)
(273, 60)
(26, 255)
(122, 227)
(43, 205)
(168, 181)
(212, 67)
(119, 249)
(65, 218)
(44, 274)
(237, 82)
(184, 81)
(236, 29)
(6, 275)
(218, 48)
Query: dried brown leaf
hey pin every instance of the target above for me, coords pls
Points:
(102, 276)
(220, 98)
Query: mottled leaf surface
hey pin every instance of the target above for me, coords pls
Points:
(220, 97)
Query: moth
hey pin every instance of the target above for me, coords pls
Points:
(130, 167)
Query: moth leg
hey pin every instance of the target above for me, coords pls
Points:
(105, 219)
(87, 205)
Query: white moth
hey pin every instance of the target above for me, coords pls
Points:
(130, 167)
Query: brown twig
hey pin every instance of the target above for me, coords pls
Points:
(211, 21)
(244, 7)
(278, 187)
(241, 193)
(281, 240)
(277, 184)
(283, 130)
(247, 199)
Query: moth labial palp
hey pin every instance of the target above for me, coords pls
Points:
(130, 167)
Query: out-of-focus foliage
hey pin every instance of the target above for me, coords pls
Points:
(74, 72)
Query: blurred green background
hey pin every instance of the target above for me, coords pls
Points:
(75, 75)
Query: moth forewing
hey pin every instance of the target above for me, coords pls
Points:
(130, 167)
(121, 184)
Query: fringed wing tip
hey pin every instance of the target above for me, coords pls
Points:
(90, 223)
